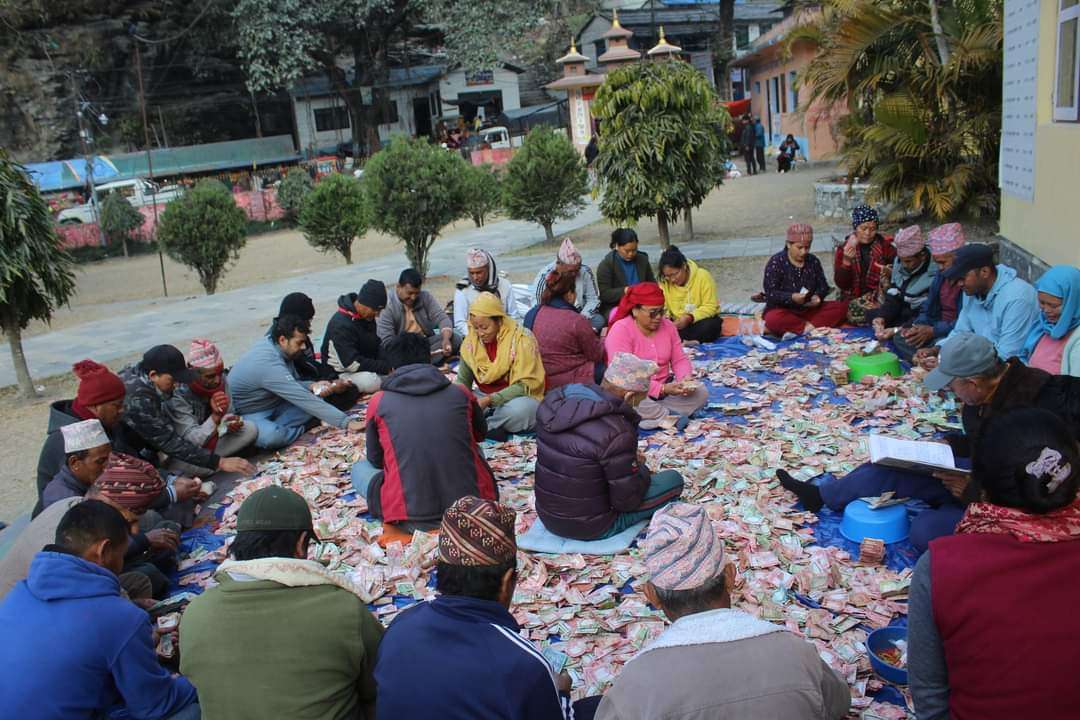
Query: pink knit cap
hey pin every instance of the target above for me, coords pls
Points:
(568, 254)
(909, 241)
(946, 238)
(682, 550)
(800, 231)
(204, 354)
(476, 258)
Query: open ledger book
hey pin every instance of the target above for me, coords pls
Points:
(914, 455)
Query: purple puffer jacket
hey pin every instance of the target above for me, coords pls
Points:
(586, 461)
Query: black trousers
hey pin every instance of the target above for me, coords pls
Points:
(760, 158)
(707, 330)
(748, 156)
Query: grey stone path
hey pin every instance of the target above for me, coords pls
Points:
(234, 318)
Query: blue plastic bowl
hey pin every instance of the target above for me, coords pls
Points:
(883, 639)
(888, 524)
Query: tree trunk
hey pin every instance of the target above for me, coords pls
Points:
(549, 235)
(662, 227)
(939, 34)
(209, 283)
(688, 213)
(124, 239)
(346, 252)
(18, 358)
(725, 50)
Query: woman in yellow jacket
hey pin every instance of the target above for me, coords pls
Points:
(689, 297)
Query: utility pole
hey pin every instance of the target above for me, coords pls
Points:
(150, 165)
(94, 208)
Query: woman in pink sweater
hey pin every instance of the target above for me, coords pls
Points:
(640, 328)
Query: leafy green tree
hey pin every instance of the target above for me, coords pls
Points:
(119, 219)
(922, 92)
(335, 212)
(546, 180)
(36, 274)
(350, 42)
(204, 230)
(292, 191)
(480, 185)
(414, 190)
(663, 142)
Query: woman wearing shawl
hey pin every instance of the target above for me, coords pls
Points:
(1054, 343)
(569, 348)
(639, 327)
(482, 277)
(861, 262)
(989, 633)
(501, 358)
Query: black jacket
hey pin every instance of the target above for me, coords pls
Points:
(1023, 386)
(422, 431)
(52, 456)
(351, 344)
(152, 427)
(611, 279)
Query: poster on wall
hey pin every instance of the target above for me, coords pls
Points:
(1016, 164)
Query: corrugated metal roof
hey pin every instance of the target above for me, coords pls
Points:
(228, 155)
(690, 15)
(399, 77)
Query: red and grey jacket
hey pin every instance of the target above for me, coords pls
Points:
(422, 432)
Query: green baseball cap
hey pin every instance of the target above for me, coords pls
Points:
(274, 508)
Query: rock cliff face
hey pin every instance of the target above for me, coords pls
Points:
(51, 60)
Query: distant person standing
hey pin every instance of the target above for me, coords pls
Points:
(746, 143)
(759, 143)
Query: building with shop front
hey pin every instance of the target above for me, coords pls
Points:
(323, 124)
(773, 69)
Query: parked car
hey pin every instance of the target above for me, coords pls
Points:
(138, 191)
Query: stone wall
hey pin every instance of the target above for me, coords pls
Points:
(1027, 266)
(837, 199)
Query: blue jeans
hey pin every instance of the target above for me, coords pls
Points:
(664, 487)
(361, 473)
(279, 426)
(869, 480)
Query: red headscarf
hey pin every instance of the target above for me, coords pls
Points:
(646, 293)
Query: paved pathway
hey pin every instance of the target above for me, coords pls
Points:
(236, 317)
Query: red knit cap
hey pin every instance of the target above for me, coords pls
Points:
(800, 231)
(97, 383)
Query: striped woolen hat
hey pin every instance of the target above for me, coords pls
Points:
(477, 532)
(682, 549)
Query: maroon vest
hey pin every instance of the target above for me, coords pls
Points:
(1006, 613)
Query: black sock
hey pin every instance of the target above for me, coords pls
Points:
(808, 494)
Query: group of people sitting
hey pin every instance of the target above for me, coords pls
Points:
(917, 292)
(598, 357)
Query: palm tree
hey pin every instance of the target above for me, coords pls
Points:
(923, 89)
(35, 271)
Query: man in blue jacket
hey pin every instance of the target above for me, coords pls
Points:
(998, 305)
(74, 647)
(266, 388)
(465, 646)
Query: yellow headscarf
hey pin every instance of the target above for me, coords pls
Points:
(517, 358)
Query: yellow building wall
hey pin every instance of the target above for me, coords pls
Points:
(1049, 228)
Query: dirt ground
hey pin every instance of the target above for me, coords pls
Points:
(742, 207)
(104, 287)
